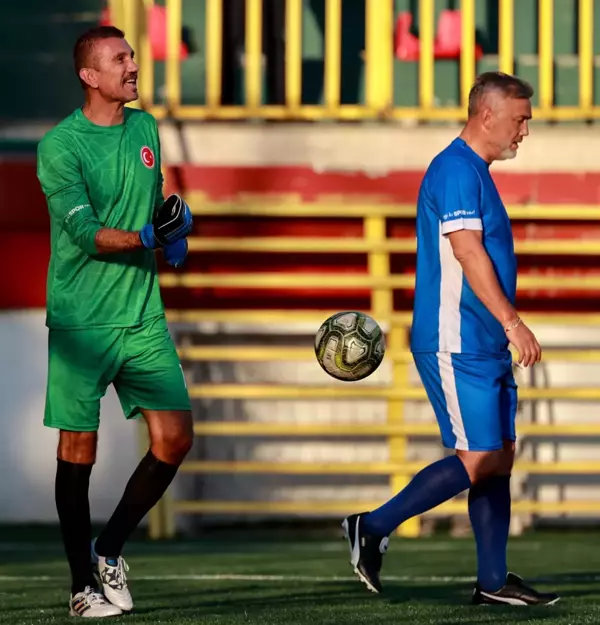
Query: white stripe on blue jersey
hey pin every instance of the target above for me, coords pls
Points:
(458, 193)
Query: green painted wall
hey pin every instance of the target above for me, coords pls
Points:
(36, 68)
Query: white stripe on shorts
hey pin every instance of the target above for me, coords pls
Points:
(451, 396)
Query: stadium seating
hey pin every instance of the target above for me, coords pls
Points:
(568, 95)
(157, 30)
(447, 43)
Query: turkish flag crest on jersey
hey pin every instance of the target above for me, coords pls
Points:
(147, 157)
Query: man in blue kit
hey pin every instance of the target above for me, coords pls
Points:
(464, 319)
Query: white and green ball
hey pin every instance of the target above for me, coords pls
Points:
(350, 346)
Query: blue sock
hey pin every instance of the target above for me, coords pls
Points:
(432, 486)
(489, 511)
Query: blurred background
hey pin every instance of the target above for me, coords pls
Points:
(298, 131)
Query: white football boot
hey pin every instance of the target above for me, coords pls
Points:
(89, 603)
(111, 573)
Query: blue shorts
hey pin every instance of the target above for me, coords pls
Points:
(474, 398)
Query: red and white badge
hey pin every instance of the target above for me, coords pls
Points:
(147, 156)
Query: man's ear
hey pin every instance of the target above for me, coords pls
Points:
(486, 116)
(89, 77)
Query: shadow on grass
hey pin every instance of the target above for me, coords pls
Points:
(328, 603)
(256, 600)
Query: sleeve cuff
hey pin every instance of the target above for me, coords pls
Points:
(86, 238)
(461, 224)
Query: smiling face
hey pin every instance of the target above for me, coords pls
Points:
(111, 70)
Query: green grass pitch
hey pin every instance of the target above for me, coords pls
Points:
(301, 579)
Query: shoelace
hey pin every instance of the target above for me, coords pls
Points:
(118, 581)
(92, 596)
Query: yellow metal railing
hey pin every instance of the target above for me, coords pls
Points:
(397, 430)
(378, 58)
(333, 207)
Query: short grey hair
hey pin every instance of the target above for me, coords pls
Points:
(507, 85)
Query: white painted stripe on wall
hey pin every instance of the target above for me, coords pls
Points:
(375, 149)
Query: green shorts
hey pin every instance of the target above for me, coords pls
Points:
(141, 362)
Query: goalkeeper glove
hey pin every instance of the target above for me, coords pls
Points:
(172, 222)
(175, 253)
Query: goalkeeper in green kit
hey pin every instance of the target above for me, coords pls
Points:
(100, 171)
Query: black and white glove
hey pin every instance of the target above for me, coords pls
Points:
(172, 222)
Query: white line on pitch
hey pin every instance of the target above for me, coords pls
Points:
(192, 548)
(294, 578)
(404, 547)
(244, 578)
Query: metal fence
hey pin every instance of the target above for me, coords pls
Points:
(381, 283)
(378, 56)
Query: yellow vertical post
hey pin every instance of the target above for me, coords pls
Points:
(253, 65)
(467, 50)
(399, 444)
(379, 61)
(333, 53)
(130, 22)
(546, 53)
(144, 54)
(506, 36)
(131, 26)
(586, 53)
(214, 65)
(115, 8)
(293, 54)
(173, 65)
(382, 307)
(379, 265)
(426, 62)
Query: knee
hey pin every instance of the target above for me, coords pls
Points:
(172, 444)
(178, 445)
(481, 465)
(77, 447)
(173, 447)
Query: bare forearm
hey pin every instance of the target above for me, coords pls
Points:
(113, 241)
(480, 275)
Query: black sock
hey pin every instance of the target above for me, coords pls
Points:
(73, 507)
(145, 487)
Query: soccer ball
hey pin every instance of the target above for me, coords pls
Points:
(349, 346)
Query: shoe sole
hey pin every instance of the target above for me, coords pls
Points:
(360, 576)
(72, 613)
(518, 603)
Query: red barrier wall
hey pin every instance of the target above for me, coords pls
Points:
(25, 249)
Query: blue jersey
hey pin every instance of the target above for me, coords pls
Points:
(458, 193)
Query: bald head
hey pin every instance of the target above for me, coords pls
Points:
(494, 86)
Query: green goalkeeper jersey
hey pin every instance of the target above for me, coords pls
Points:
(100, 177)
